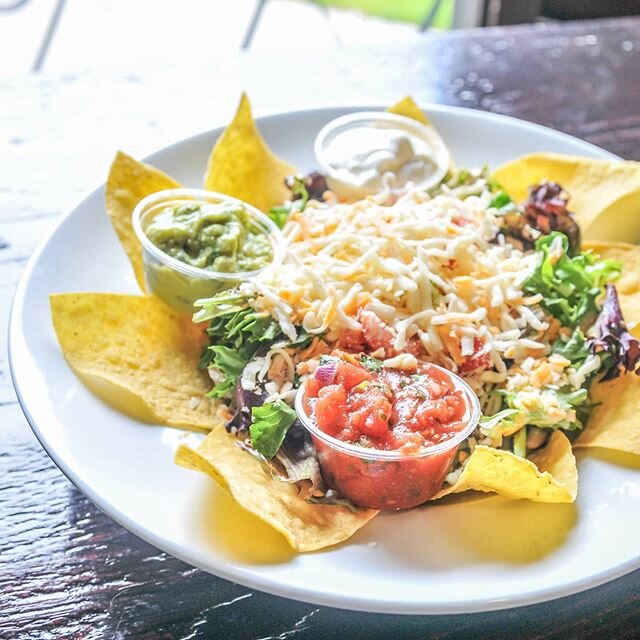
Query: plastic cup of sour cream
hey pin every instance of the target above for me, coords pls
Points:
(177, 283)
(370, 152)
(387, 479)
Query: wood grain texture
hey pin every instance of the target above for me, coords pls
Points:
(68, 571)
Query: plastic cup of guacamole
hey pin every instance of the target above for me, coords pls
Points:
(197, 243)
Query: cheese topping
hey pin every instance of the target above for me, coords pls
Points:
(428, 267)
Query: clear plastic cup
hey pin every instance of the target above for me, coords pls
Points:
(340, 178)
(388, 480)
(178, 284)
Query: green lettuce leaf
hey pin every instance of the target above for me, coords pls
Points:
(281, 214)
(570, 286)
(230, 365)
(236, 332)
(502, 199)
(222, 304)
(575, 349)
(503, 421)
(269, 426)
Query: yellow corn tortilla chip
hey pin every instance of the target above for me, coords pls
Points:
(408, 108)
(137, 346)
(549, 475)
(615, 422)
(241, 165)
(307, 527)
(628, 285)
(129, 182)
(605, 194)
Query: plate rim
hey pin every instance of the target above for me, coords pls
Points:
(239, 574)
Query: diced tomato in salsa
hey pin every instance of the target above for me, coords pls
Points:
(385, 409)
(356, 400)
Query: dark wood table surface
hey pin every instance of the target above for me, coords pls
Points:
(66, 569)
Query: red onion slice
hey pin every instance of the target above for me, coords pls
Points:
(326, 374)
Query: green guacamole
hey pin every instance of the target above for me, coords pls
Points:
(215, 237)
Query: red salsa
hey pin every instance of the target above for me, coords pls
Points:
(356, 400)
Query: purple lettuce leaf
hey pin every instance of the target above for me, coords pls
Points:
(617, 348)
(244, 401)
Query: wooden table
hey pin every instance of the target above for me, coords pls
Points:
(67, 570)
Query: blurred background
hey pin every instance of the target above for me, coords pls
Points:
(68, 35)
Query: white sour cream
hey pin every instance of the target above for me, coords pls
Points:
(369, 153)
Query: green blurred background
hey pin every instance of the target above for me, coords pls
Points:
(413, 11)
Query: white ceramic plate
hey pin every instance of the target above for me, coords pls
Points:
(469, 555)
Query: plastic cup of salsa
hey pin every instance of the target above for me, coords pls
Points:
(388, 479)
(177, 283)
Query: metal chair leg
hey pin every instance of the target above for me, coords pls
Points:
(48, 36)
(430, 17)
(253, 25)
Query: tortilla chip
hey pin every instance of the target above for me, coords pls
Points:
(628, 285)
(605, 194)
(614, 423)
(241, 165)
(409, 109)
(549, 475)
(137, 346)
(307, 527)
(129, 181)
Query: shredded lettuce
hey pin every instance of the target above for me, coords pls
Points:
(537, 414)
(575, 349)
(269, 426)
(570, 286)
(520, 443)
(526, 410)
(297, 458)
(502, 423)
